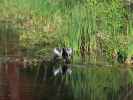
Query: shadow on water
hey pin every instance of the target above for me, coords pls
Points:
(89, 83)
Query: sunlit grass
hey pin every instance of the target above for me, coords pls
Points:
(88, 26)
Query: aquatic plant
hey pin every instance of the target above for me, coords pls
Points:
(93, 28)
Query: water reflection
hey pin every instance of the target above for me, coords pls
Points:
(93, 83)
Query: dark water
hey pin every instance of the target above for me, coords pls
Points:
(17, 83)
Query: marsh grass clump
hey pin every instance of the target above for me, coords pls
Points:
(92, 28)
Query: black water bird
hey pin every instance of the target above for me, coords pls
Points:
(121, 56)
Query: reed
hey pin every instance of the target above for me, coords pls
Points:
(92, 27)
(104, 22)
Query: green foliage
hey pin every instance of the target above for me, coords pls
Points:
(88, 26)
(85, 21)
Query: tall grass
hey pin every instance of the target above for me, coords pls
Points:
(92, 27)
(104, 22)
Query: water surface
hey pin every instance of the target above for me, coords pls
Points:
(85, 83)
